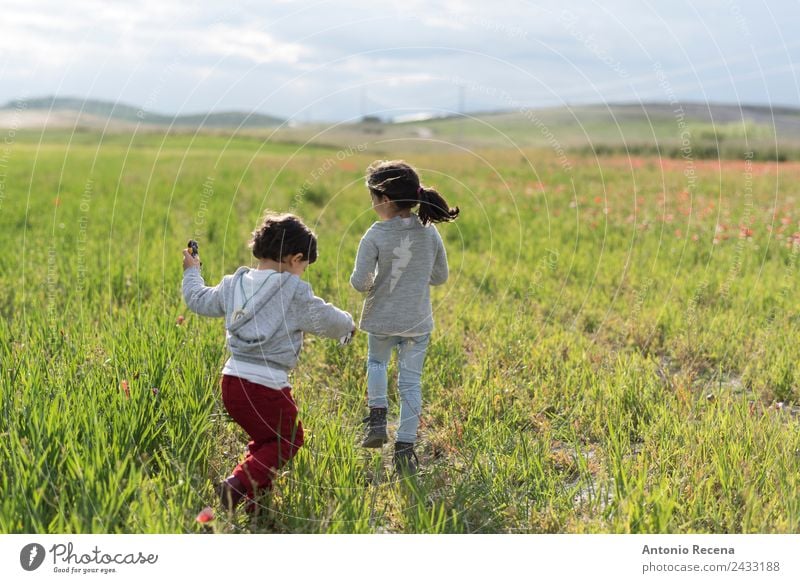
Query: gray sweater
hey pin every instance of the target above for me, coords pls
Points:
(270, 329)
(397, 261)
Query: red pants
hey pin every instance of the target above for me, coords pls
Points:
(269, 417)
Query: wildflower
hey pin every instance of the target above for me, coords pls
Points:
(154, 390)
(180, 320)
(745, 233)
(124, 386)
(678, 233)
(206, 515)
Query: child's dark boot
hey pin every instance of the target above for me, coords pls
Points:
(231, 492)
(375, 435)
(405, 460)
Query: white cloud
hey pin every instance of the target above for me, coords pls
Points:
(251, 44)
(406, 54)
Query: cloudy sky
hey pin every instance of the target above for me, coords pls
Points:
(338, 60)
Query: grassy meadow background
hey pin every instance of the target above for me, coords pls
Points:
(615, 349)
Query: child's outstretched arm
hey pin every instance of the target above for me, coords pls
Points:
(364, 270)
(203, 300)
(440, 271)
(316, 316)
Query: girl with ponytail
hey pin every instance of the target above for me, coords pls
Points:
(398, 259)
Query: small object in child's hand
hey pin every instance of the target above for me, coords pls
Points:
(192, 247)
(345, 340)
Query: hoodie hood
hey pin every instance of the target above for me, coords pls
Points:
(248, 334)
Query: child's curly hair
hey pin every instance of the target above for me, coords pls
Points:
(281, 235)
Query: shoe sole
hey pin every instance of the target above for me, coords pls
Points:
(404, 471)
(374, 442)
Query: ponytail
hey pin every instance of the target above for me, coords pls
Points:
(400, 183)
(433, 208)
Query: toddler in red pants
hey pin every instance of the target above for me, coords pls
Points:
(266, 311)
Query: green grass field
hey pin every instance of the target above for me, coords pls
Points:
(615, 350)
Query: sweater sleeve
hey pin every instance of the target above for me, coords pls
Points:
(201, 299)
(366, 261)
(440, 271)
(316, 316)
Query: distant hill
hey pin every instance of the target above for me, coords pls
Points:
(713, 129)
(622, 124)
(71, 111)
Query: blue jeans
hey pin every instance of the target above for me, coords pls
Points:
(410, 358)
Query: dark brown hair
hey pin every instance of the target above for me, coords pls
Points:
(400, 183)
(282, 235)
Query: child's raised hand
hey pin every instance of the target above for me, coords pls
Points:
(189, 260)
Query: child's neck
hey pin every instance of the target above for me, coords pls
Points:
(402, 213)
(270, 264)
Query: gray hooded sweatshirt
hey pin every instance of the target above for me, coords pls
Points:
(397, 262)
(270, 330)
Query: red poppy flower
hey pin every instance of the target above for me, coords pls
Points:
(206, 515)
(124, 386)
